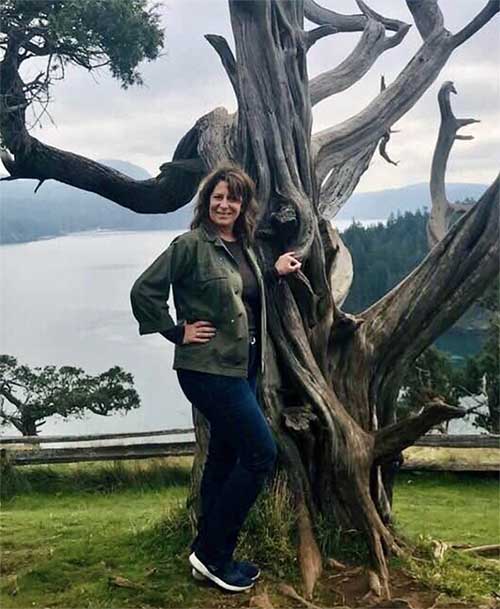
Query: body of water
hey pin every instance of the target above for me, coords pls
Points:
(65, 301)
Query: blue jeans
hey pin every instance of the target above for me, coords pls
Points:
(241, 455)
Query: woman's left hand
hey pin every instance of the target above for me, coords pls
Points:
(287, 263)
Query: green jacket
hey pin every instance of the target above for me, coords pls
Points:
(207, 286)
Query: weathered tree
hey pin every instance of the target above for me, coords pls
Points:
(331, 384)
(29, 396)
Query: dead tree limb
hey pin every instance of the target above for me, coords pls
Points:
(393, 439)
(427, 16)
(346, 23)
(489, 11)
(371, 45)
(443, 211)
(382, 148)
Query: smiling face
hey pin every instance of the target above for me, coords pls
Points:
(224, 208)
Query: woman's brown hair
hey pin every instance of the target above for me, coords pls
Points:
(240, 186)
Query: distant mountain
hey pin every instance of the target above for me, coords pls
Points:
(380, 204)
(58, 209)
(129, 169)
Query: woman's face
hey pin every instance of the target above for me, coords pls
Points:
(223, 209)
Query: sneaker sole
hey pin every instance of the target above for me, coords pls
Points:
(202, 570)
(197, 575)
(201, 578)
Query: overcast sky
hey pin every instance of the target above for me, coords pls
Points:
(93, 116)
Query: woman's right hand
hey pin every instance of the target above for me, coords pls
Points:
(198, 332)
(287, 263)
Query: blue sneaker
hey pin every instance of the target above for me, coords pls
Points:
(244, 567)
(227, 577)
(248, 569)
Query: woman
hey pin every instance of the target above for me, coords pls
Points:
(220, 339)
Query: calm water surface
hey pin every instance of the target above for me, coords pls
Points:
(65, 301)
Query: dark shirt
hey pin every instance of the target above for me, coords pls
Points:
(251, 296)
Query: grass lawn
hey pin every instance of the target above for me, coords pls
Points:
(82, 525)
(456, 508)
(117, 535)
(113, 535)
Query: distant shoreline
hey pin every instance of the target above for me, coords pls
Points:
(59, 210)
(344, 223)
(88, 231)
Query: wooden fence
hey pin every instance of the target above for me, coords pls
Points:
(28, 450)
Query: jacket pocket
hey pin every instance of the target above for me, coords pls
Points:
(212, 299)
(211, 272)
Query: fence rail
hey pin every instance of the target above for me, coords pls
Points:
(98, 453)
(92, 437)
(460, 441)
(12, 449)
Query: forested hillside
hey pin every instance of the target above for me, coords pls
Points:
(383, 255)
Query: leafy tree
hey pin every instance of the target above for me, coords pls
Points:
(432, 376)
(34, 394)
(91, 34)
(481, 374)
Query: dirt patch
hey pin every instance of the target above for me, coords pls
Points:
(346, 590)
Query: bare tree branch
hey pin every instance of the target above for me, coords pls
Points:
(346, 23)
(371, 45)
(338, 143)
(391, 440)
(382, 148)
(220, 44)
(312, 36)
(442, 210)
(427, 16)
(491, 9)
(171, 189)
